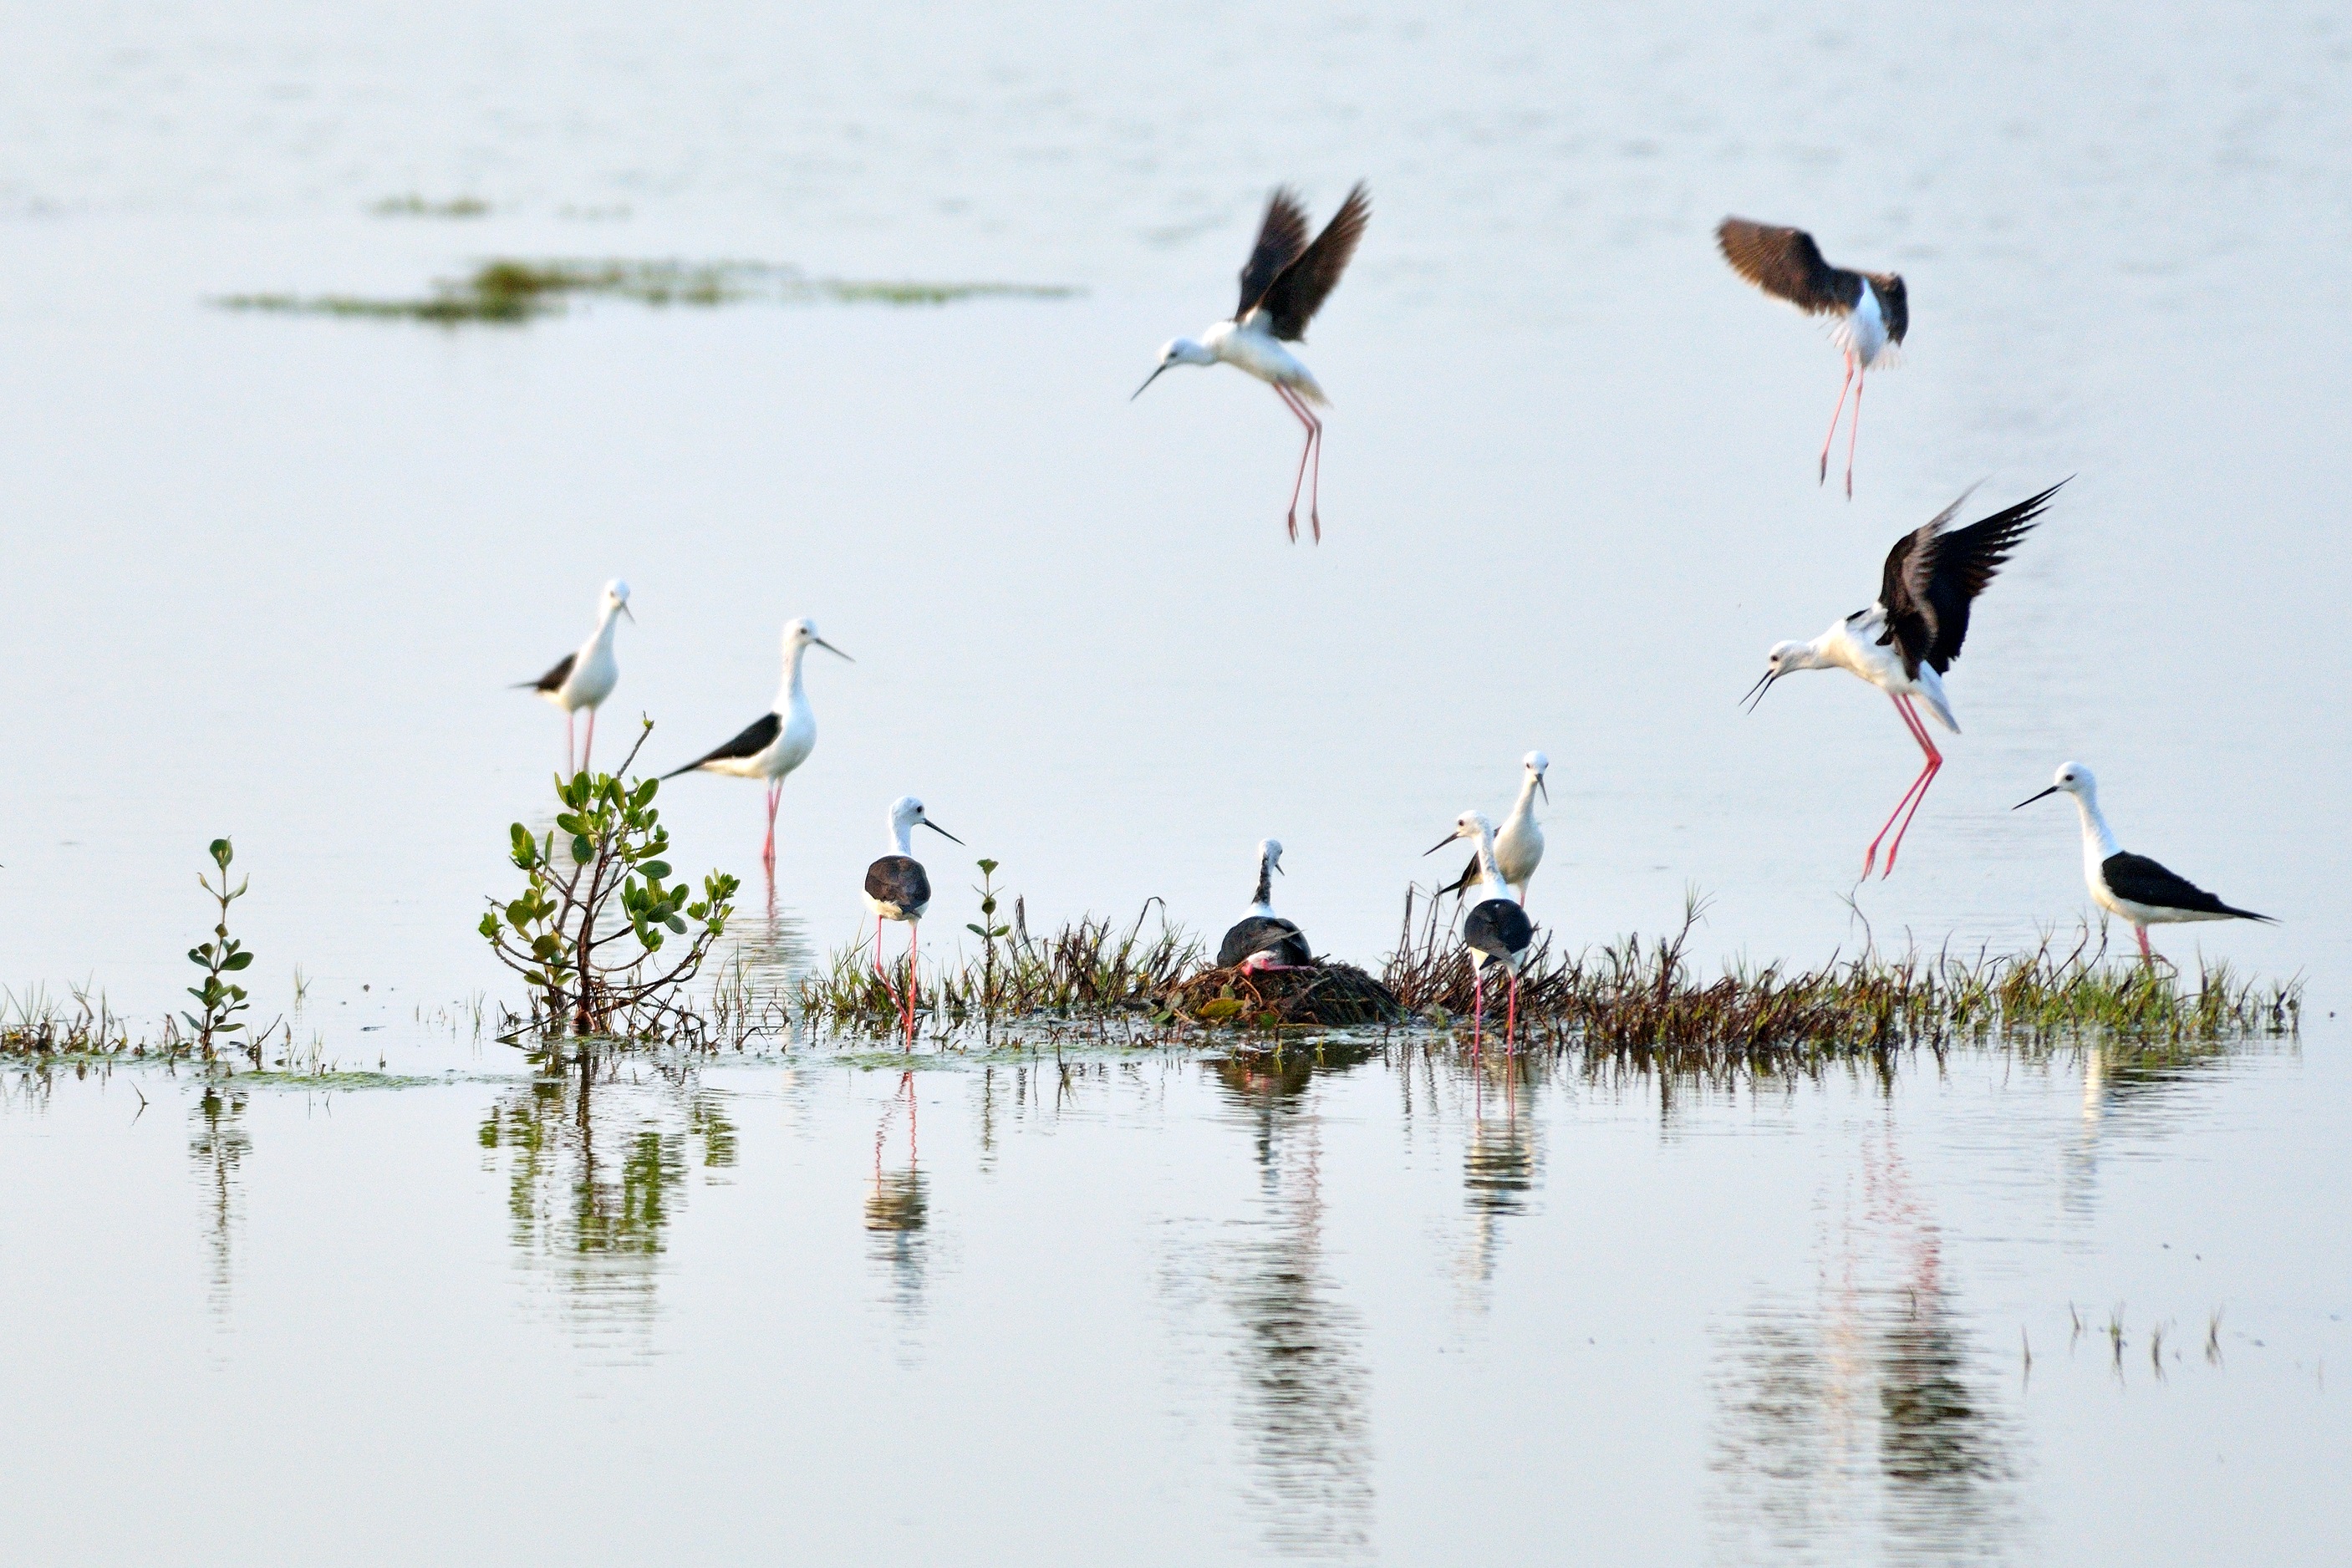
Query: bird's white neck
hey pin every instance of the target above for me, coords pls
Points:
(1524, 808)
(2099, 838)
(1488, 872)
(902, 838)
(1262, 904)
(606, 624)
(789, 695)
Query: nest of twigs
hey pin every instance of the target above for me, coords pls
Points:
(1325, 994)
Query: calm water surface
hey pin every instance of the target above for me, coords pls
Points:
(270, 577)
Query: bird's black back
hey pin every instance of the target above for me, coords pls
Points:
(2143, 882)
(1932, 576)
(1299, 288)
(898, 880)
(554, 678)
(1263, 933)
(757, 737)
(1786, 263)
(1498, 928)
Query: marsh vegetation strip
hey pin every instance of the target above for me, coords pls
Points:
(509, 290)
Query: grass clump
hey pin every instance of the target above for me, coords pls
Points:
(510, 291)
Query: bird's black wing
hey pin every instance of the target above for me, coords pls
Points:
(1931, 577)
(1498, 927)
(553, 679)
(1786, 263)
(756, 738)
(1280, 238)
(2143, 882)
(1262, 933)
(898, 880)
(1294, 297)
(1894, 302)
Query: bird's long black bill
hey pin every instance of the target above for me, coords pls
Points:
(1756, 692)
(1541, 791)
(2029, 799)
(942, 832)
(1440, 845)
(1147, 381)
(830, 649)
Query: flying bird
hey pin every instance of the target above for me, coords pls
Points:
(586, 675)
(1262, 939)
(899, 888)
(1906, 642)
(778, 741)
(1284, 283)
(2132, 886)
(1872, 308)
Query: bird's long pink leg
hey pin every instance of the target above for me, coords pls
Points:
(571, 737)
(913, 938)
(1511, 1022)
(1315, 484)
(1842, 388)
(879, 975)
(1927, 777)
(1854, 431)
(2145, 955)
(1910, 722)
(588, 753)
(1478, 1009)
(768, 851)
(1290, 401)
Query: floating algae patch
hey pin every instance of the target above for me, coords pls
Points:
(508, 291)
(332, 1079)
(415, 205)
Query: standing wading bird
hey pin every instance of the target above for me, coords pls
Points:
(1872, 308)
(1904, 642)
(2132, 886)
(1496, 931)
(1519, 842)
(779, 739)
(897, 888)
(586, 677)
(1262, 939)
(1284, 283)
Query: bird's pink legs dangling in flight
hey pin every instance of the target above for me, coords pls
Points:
(1844, 388)
(1314, 449)
(1912, 796)
(1854, 431)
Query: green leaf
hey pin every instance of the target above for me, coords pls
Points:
(975, 931)
(988, 867)
(237, 961)
(677, 925)
(582, 850)
(655, 868)
(222, 853)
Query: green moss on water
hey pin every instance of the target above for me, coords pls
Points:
(508, 291)
(332, 1079)
(415, 205)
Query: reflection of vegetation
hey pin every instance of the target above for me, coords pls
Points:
(597, 1168)
(217, 1144)
(512, 291)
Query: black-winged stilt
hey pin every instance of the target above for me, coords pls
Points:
(1496, 930)
(1872, 308)
(1284, 283)
(1904, 642)
(777, 741)
(1519, 842)
(2132, 886)
(585, 677)
(1262, 939)
(898, 888)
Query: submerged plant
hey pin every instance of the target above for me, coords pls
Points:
(587, 936)
(221, 1000)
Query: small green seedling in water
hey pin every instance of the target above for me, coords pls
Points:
(586, 967)
(221, 1001)
(990, 934)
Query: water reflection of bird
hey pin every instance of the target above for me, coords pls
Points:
(1872, 308)
(898, 1204)
(1904, 642)
(1262, 939)
(1284, 283)
(2132, 886)
(1496, 930)
(585, 677)
(778, 741)
(1519, 842)
(898, 888)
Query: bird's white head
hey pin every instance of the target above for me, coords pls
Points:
(1778, 660)
(1538, 765)
(1269, 852)
(1469, 824)
(801, 633)
(615, 600)
(2072, 778)
(906, 814)
(1175, 351)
